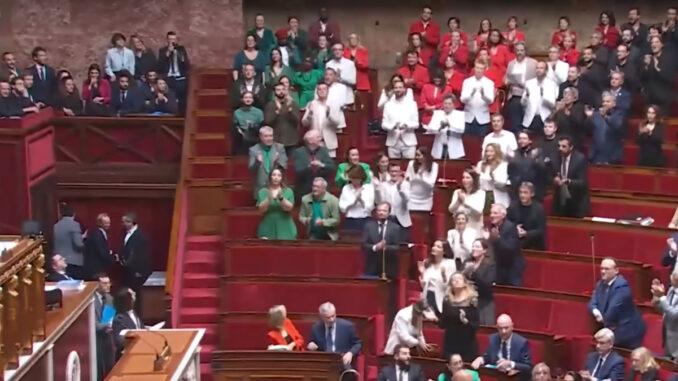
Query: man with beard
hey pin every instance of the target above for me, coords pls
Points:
(539, 99)
(8, 68)
(601, 54)
(427, 28)
(570, 117)
(657, 75)
(626, 62)
(403, 368)
(324, 117)
(282, 114)
(638, 29)
(607, 123)
(527, 165)
(592, 79)
(529, 217)
(400, 120)
(571, 196)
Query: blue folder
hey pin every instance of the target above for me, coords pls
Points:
(107, 314)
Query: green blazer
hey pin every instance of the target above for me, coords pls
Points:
(331, 214)
(340, 179)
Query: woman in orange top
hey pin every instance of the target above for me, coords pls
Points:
(283, 332)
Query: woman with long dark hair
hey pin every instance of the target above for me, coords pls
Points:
(276, 69)
(434, 273)
(432, 95)
(650, 139)
(69, 100)
(481, 270)
(275, 202)
(422, 173)
(96, 92)
(469, 199)
(481, 38)
(607, 26)
(249, 55)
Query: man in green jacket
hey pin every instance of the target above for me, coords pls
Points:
(320, 212)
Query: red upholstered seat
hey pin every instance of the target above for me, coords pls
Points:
(522, 310)
(653, 335)
(570, 318)
(625, 208)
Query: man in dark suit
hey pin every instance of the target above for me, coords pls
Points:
(607, 124)
(529, 217)
(102, 297)
(505, 242)
(403, 369)
(8, 67)
(175, 66)
(381, 237)
(135, 254)
(45, 85)
(248, 81)
(604, 364)
(126, 99)
(506, 350)
(657, 74)
(612, 306)
(332, 334)
(98, 255)
(67, 236)
(125, 317)
(58, 269)
(571, 196)
(10, 105)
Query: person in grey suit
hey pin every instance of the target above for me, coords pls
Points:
(68, 242)
(102, 297)
(667, 304)
(264, 157)
(381, 237)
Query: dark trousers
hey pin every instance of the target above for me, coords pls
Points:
(510, 275)
(476, 129)
(374, 263)
(75, 272)
(537, 126)
(515, 111)
(180, 87)
(240, 146)
(355, 224)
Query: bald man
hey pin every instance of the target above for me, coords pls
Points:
(506, 350)
(612, 306)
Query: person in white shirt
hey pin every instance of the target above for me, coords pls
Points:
(448, 124)
(539, 99)
(400, 120)
(520, 70)
(396, 192)
(469, 199)
(119, 57)
(346, 71)
(477, 94)
(434, 273)
(380, 170)
(461, 238)
(493, 171)
(556, 70)
(325, 117)
(422, 173)
(357, 199)
(407, 329)
(387, 92)
(504, 139)
(336, 92)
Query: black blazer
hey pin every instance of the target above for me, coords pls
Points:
(164, 62)
(121, 321)
(133, 104)
(135, 255)
(56, 277)
(169, 107)
(528, 165)
(371, 236)
(258, 90)
(44, 91)
(533, 220)
(507, 250)
(388, 373)
(145, 63)
(650, 153)
(579, 203)
(10, 106)
(483, 277)
(658, 85)
(97, 253)
(650, 375)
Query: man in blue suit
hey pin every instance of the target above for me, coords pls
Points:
(507, 351)
(612, 306)
(604, 364)
(45, 83)
(332, 334)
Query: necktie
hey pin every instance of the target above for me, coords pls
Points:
(42, 73)
(328, 339)
(603, 300)
(599, 365)
(401, 375)
(123, 95)
(563, 169)
(672, 293)
(381, 230)
(504, 350)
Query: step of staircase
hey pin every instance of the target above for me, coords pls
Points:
(204, 242)
(199, 297)
(201, 280)
(196, 262)
(198, 315)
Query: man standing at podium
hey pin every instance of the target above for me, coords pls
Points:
(333, 334)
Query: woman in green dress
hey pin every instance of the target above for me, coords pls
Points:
(276, 202)
(306, 80)
(352, 158)
(276, 69)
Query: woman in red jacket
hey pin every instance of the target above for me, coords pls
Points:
(483, 34)
(563, 30)
(500, 55)
(607, 26)
(432, 96)
(415, 42)
(357, 53)
(454, 78)
(96, 92)
(456, 49)
(453, 25)
(569, 52)
(512, 34)
(283, 334)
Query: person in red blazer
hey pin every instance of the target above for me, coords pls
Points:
(415, 42)
(357, 53)
(96, 92)
(283, 331)
(569, 52)
(427, 28)
(480, 39)
(453, 25)
(500, 55)
(454, 79)
(512, 34)
(415, 75)
(607, 26)
(456, 49)
(432, 95)
(563, 30)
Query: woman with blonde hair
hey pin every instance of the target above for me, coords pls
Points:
(493, 172)
(541, 372)
(643, 366)
(283, 334)
(460, 318)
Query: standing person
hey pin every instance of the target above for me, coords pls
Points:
(608, 131)
(657, 73)
(564, 31)
(512, 34)
(477, 94)
(125, 317)
(282, 114)
(428, 29)
(505, 241)
(296, 36)
(98, 255)
(397, 193)
(144, 58)
(104, 341)
(432, 95)
(415, 75)
(335, 335)
(506, 140)
(320, 212)
(422, 173)
(528, 164)
(519, 71)
(276, 69)
(460, 318)
(248, 81)
(359, 54)
(639, 29)
(453, 26)
(556, 69)
(570, 117)
(174, 65)
(400, 120)
(276, 202)
(8, 67)
(529, 217)
(263, 35)
(345, 70)
(306, 80)
(380, 243)
(45, 83)
(448, 125)
(310, 161)
(481, 270)
(264, 157)
(457, 51)
(607, 27)
(650, 139)
(325, 27)
(539, 99)
(493, 172)
(357, 199)
(325, 117)
(247, 120)
(469, 199)
(96, 92)
(460, 239)
(506, 350)
(434, 275)
(135, 255)
(666, 302)
(119, 58)
(352, 159)
(380, 170)
(249, 55)
(407, 329)
(68, 242)
(571, 195)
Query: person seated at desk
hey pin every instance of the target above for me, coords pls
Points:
(643, 366)
(508, 351)
(541, 372)
(126, 99)
(276, 202)
(20, 91)
(68, 100)
(603, 364)
(455, 364)
(333, 334)
(126, 318)
(163, 102)
(434, 273)
(58, 269)
(529, 217)
(403, 368)
(283, 334)
(407, 329)
(356, 200)
(96, 92)
(320, 212)
(10, 105)
(352, 159)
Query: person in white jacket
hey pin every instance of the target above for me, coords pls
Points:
(448, 125)
(325, 117)
(539, 99)
(396, 191)
(357, 199)
(400, 120)
(434, 273)
(477, 94)
(556, 70)
(493, 171)
(345, 71)
(461, 238)
(505, 139)
(469, 199)
(422, 173)
(407, 329)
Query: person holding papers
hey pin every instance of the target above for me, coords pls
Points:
(448, 124)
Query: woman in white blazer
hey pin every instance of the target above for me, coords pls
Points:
(434, 273)
(461, 238)
(357, 199)
(422, 173)
(407, 329)
(493, 171)
(448, 125)
(469, 199)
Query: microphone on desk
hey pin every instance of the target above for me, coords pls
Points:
(163, 355)
(592, 238)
